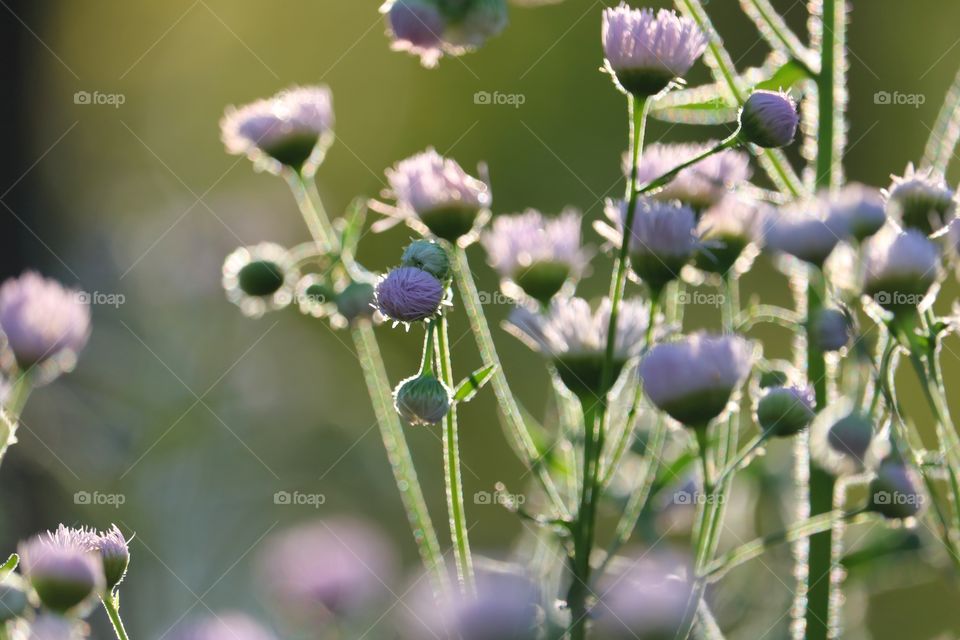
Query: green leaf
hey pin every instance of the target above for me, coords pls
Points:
(469, 386)
(351, 225)
(9, 566)
(785, 77)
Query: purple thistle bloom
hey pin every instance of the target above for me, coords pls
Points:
(42, 321)
(537, 253)
(115, 554)
(726, 230)
(230, 625)
(338, 565)
(769, 119)
(408, 294)
(700, 186)
(293, 128)
(900, 267)
(805, 231)
(858, 209)
(63, 567)
(645, 51)
(921, 200)
(693, 378)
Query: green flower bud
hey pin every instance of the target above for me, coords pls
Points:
(422, 399)
(785, 411)
(13, 601)
(427, 256)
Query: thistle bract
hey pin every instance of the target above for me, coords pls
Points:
(427, 256)
(422, 399)
(409, 294)
(769, 119)
(785, 411)
(921, 200)
(900, 268)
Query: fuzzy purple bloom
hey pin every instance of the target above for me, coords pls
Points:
(900, 268)
(43, 321)
(858, 209)
(49, 626)
(114, 553)
(224, 626)
(769, 119)
(408, 294)
(700, 186)
(63, 567)
(417, 27)
(921, 199)
(805, 231)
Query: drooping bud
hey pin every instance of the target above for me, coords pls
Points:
(769, 119)
(422, 399)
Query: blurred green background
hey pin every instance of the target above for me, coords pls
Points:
(196, 415)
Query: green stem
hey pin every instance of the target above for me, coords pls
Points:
(398, 453)
(519, 435)
(583, 527)
(13, 408)
(113, 610)
(453, 477)
(311, 207)
(946, 132)
(668, 177)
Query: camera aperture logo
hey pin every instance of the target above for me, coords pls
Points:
(299, 499)
(896, 98)
(98, 98)
(498, 99)
(97, 499)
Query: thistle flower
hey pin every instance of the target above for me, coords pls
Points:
(645, 51)
(114, 553)
(769, 119)
(841, 438)
(786, 411)
(224, 626)
(62, 567)
(693, 378)
(435, 195)
(830, 330)
(422, 399)
(537, 253)
(428, 256)
(338, 565)
(259, 278)
(409, 294)
(293, 128)
(49, 626)
(662, 239)
(805, 231)
(859, 210)
(575, 338)
(900, 268)
(43, 322)
(726, 230)
(921, 200)
(700, 186)
(894, 490)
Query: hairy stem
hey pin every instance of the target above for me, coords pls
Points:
(311, 207)
(583, 526)
(110, 605)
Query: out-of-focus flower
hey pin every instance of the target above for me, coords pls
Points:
(409, 294)
(830, 330)
(700, 186)
(805, 231)
(575, 338)
(858, 209)
(422, 399)
(314, 297)
(13, 601)
(537, 253)
(646, 50)
(114, 553)
(260, 278)
(230, 625)
(293, 128)
(769, 119)
(428, 256)
(329, 566)
(431, 28)
(49, 626)
(43, 322)
(356, 301)
(662, 238)
(841, 438)
(894, 490)
(434, 195)
(786, 411)
(62, 567)
(921, 200)
(900, 267)
(726, 230)
(692, 379)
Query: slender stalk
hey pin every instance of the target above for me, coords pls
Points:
(311, 206)
(667, 178)
(451, 464)
(13, 408)
(946, 132)
(517, 431)
(398, 453)
(113, 610)
(583, 527)
(776, 31)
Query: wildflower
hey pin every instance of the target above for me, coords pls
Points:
(841, 438)
(114, 553)
(49, 626)
(662, 238)
(435, 195)
(422, 399)
(786, 411)
(645, 51)
(921, 200)
(769, 119)
(293, 129)
(537, 253)
(693, 378)
(575, 338)
(900, 267)
(428, 256)
(859, 210)
(337, 564)
(701, 185)
(894, 490)
(830, 330)
(409, 294)
(224, 626)
(725, 231)
(259, 278)
(355, 301)
(43, 322)
(805, 231)
(62, 567)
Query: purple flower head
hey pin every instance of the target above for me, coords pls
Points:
(293, 128)
(831, 330)
(700, 186)
(537, 253)
(693, 378)
(662, 239)
(229, 625)
(435, 196)
(422, 399)
(900, 267)
(858, 209)
(646, 50)
(408, 294)
(114, 553)
(769, 119)
(895, 490)
(260, 278)
(337, 565)
(841, 438)
(786, 411)
(63, 567)
(43, 322)
(726, 230)
(805, 231)
(921, 199)
(49, 626)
